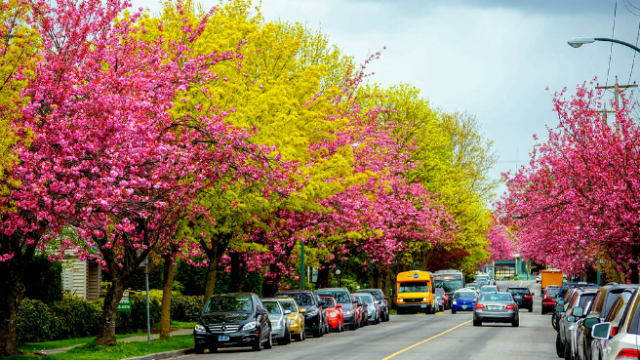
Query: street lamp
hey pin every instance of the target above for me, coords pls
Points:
(576, 42)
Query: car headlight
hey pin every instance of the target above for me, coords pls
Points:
(400, 300)
(250, 326)
(312, 313)
(333, 314)
(200, 329)
(350, 312)
(454, 302)
(424, 299)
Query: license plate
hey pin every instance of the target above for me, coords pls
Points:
(464, 306)
(493, 307)
(424, 306)
(223, 337)
(517, 297)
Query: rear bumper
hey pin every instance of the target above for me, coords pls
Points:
(462, 307)
(490, 316)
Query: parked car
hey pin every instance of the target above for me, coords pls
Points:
(335, 315)
(496, 307)
(236, 319)
(280, 328)
(522, 296)
(296, 317)
(615, 316)
(363, 311)
(344, 298)
(373, 309)
(313, 317)
(576, 308)
(602, 305)
(623, 342)
(463, 300)
(548, 299)
(442, 296)
(382, 300)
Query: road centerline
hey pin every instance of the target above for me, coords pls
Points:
(424, 341)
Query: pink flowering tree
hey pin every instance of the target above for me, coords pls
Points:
(108, 155)
(576, 201)
(501, 245)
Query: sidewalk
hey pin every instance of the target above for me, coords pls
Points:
(129, 339)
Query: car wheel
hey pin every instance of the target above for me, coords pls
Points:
(269, 344)
(553, 321)
(516, 322)
(199, 350)
(453, 311)
(257, 346)
(286, 339)
(559, 346)
(317, 332)
(543, 311)
(477, 323)
(531, 308)
(567, 353)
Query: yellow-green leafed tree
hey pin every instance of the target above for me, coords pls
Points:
(19, 44)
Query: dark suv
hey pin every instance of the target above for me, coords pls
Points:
(314, 316)
(382, 300)
(343, 297)
(522, 296)
(237, 319)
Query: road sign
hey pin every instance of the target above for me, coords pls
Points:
(125, 303)
(314, 275)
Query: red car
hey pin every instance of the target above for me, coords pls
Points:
(549, 298)
(335, 316)
(358, 309)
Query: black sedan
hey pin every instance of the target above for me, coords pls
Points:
(232, 320)
(496, 308)
(522, 296)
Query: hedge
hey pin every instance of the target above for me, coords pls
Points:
(75, 317)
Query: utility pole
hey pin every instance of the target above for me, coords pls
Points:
(616, 94)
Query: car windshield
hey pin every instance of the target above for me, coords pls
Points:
(449, 286)
(486, 289)
(328, 301)
(288, 305)
(464, 294)
(272, 307)
(229, 303)
(418, 286)
(375, 294)
(341, 296)
(496, 297)
(303, 299)
(519, 291)
(365, 298)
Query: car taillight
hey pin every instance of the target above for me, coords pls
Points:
(614, 330)
(510, 307)
(527, 296)
(628, 354)
(479, 306)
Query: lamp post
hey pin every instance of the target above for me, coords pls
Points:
(302, 265)
(576, 42)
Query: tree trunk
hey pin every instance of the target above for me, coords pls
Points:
(212, 273)
(107, 331)
(323, 277)
(165, 314)
(237, 278)
(10, 296)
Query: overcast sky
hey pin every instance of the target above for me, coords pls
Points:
(490, 58)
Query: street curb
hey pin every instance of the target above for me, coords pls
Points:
(163, 355)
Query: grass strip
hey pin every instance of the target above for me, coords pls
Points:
(57, 344)
(91, 351)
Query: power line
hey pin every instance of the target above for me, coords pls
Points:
(613, 36)
(630, 4)
(633, 62)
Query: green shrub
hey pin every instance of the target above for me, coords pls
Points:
(129, 322)
(34, 321)
(75, 317)
(43, 280)
(183, 307)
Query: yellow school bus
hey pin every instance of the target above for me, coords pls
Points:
(414, 292)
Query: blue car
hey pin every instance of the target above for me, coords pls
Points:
(463, 300)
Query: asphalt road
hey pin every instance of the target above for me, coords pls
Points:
(440, 336)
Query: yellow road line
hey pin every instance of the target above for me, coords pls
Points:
(424, 341)
(521, 283)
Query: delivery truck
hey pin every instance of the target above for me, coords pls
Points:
(550, 277)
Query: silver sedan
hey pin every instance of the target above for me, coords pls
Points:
(496, 307)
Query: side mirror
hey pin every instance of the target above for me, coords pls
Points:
(339, 306)
(601, 331)
(590, 322)
(302, 311)
(196, 315)
(533, 293)
(559, 308)
(287, 312)
(262, 312)
(475, 301)
(577, 311)
(560, 302)
(571, 318)
(562, 313)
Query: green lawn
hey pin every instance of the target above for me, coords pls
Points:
(56, 344)
(120, 350)
(182, 325)
(391, 312)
